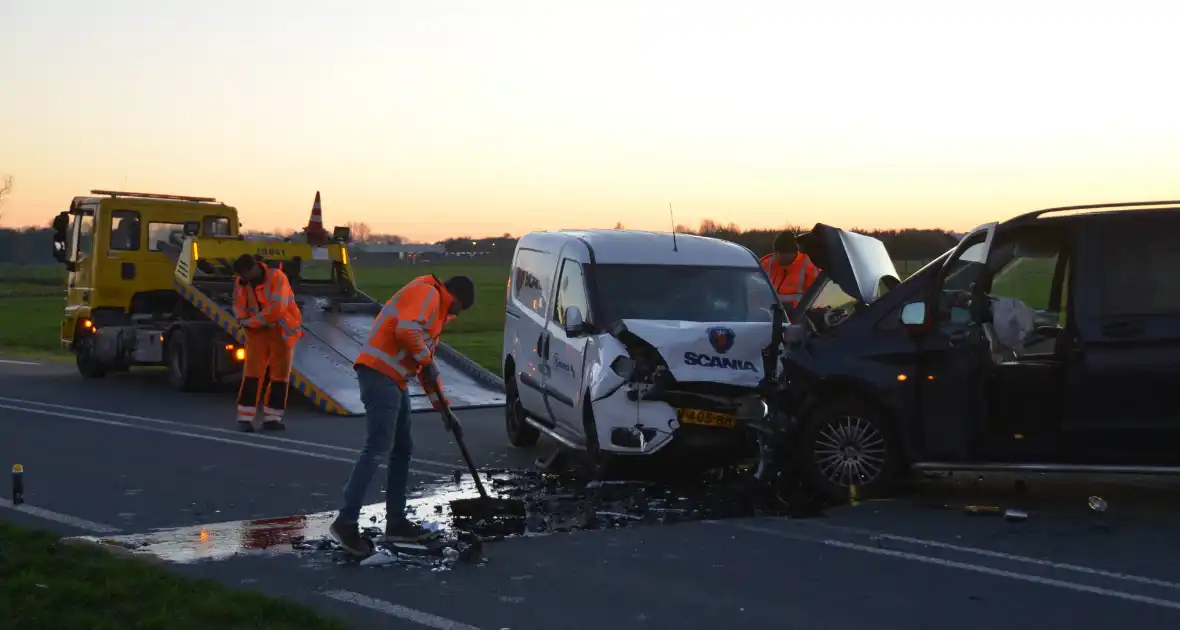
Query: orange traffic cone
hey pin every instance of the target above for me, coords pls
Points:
(316, 234)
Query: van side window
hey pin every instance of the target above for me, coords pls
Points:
(531, 279)
(571, 291)
(1139, 274)
(125, 230)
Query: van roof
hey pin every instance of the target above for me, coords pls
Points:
(637, 247)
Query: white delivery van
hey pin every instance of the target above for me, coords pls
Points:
(622, 342)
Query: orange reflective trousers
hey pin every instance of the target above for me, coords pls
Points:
(268, 356)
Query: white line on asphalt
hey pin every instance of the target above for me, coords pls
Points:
(58, 517)
(211, 438)
(966, 566)
(12, 362)
(1076, 568)
(396, 610)
(186, 425)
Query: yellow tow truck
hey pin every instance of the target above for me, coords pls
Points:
(150, 283)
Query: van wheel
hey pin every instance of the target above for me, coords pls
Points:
(88, 366)
(520, 432)
(849, 443)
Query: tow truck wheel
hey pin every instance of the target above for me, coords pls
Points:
(520, 432)
(188, 369)
(88, 367)
(849, 443)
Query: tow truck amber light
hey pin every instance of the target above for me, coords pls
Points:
(229, 346)
(240, 354)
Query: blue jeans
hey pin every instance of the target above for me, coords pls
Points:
(387, 414)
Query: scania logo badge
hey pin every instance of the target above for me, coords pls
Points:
(721, 339)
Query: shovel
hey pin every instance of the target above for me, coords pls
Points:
(483, 506)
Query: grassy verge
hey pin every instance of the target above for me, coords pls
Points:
(47, 584)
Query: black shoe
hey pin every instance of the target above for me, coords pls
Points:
(246, 427)
(273, 425)
(348, 535)
(407, 531)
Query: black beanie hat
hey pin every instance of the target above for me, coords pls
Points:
(785, 243)
(244, 263)
(462, 289)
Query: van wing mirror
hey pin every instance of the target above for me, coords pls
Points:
(914, 314)
(574, 323)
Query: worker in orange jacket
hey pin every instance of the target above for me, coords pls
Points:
(401, 346)
(265, 306)
(791, 271)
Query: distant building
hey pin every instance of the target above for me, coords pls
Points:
(381, 253)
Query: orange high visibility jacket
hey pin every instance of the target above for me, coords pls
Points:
(405, 334)
(269, 303)
(792, 280)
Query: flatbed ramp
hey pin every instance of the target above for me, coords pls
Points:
(333, 337)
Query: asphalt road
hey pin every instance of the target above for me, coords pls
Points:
(126, 455)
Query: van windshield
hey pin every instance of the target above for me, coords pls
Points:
(684, 293)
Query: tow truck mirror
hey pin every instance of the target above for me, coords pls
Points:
(192, 228)
(574, 324)
(913, 314)
(61, 224)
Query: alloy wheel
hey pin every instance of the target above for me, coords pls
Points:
(850, 450)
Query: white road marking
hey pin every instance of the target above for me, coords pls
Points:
(1076, 568)
(212, 438)
(12, 362)
(395, 610)
(58, 517)
(186, 425)
(966, 566)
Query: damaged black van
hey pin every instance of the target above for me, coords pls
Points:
(1048, 342)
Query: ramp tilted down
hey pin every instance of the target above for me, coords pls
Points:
(333, 335)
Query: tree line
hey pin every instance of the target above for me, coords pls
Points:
(33, 246)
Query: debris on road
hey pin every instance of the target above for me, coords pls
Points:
(1097, 504)
(1015, 516)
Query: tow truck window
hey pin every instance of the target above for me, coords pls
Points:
(571, 291)
(125, 230)
(165, 236)
(684, 293)
(216, 226)
(84, 224)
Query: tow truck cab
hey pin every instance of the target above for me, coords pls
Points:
(120, 251)
(1048, 342)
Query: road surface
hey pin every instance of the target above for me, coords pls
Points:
(126, 455)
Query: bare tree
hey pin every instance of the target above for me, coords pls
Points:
(359, 231)
(619, 225)
(5, 189)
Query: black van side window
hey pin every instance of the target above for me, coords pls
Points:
(531, 279)
(1139, 273)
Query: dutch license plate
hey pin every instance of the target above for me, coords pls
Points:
(703, 418)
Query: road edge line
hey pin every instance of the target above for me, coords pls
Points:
(58, 517)
(397, 610)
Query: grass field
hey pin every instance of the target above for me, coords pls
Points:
(31, 299)
(47, 584)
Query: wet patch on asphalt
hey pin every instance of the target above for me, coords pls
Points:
(555, 504)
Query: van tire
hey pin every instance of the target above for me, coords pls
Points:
(846, 439)
(520, 433)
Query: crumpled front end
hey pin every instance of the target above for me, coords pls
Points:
(641, 409)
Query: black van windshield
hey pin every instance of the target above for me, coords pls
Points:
(684, 293)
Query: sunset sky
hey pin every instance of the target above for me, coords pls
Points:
(441, 118)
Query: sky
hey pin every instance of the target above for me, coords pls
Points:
(440, 118)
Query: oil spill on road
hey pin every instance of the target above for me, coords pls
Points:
(554, 504)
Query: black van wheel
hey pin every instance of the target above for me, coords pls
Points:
(520, 432)
(849, 443)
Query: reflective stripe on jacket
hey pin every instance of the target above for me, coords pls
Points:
(790, 281)
(405, 334)
(269, 303)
